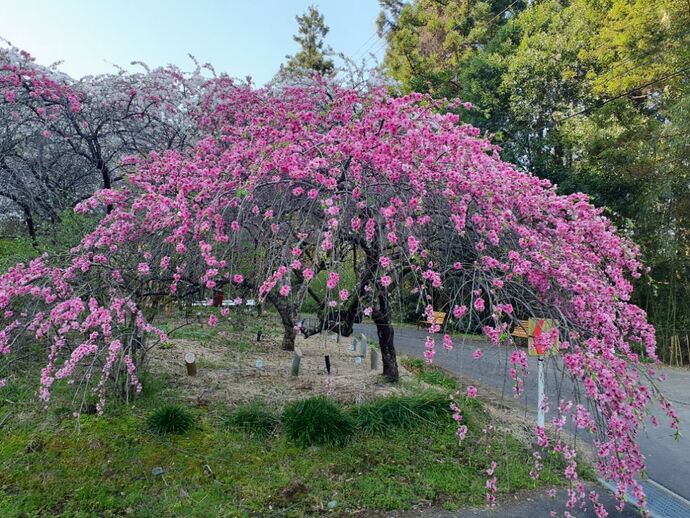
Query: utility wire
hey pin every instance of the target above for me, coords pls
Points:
(597, 106)
(361, 47)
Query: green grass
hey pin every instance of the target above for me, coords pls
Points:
(170, 419)
(317, 421)
(429, 373)
(47, 467)
(13, 251)
(106, 470)
(255, 419)
(400, 412)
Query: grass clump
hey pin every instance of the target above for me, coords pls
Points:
(254, 419)
(400, 412)
(171, 419)
(429, 374)
(317, 421)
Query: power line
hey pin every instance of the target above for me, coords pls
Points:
(504, 10)
(678, 72)
(361, 47)
(381, 45)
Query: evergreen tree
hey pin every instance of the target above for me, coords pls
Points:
(591, 95)
(313, 56)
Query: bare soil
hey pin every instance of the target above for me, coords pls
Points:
(231, 376)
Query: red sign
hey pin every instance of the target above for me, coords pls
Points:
(538, 345)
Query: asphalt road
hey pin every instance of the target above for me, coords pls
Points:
(668, 460)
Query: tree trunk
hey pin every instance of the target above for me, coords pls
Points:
(385, 332)
(289, 335)
(107, 180)
(287, 318)
(31, 227)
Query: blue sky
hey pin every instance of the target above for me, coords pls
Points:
(238, 37)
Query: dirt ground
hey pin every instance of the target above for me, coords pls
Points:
(230, 376)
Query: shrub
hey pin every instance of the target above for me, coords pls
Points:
(254, 419)
(171, 419)
(400, 412)
(317, 421)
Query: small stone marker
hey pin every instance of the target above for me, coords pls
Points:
(353, 345)
(190, 362)
(296, 359)
(157, 471)
(358, 360)
(374, 359)
(259, 363)
(332, 504)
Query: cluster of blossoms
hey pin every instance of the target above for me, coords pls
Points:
(425, 202)
(21, 76)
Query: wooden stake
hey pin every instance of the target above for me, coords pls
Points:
(296, 359)
(190, 362)
(328, 363)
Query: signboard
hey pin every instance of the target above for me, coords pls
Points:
(537, 326)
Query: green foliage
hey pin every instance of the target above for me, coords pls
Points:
(400, 412)
(255, 419)
(318, 285)
(171, 419)
(317, 421)
(313, 54)
(591, 95)
(69, 231)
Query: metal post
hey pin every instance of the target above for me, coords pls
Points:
(540, 392)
